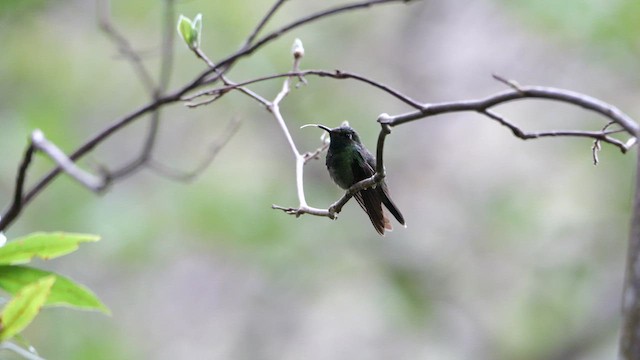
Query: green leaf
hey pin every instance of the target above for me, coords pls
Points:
(20, 311)
(185, 29)
(65, 292)
(43, 245)
(197, 29)
(190, 30)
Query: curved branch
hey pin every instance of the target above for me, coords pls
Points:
(337, 74)
(525, 92)
(481, 106)
(24, 198)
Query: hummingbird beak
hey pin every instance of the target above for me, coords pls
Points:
(324, 128)
(318, 125)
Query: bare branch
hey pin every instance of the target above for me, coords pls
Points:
(40, 143)
(123, 45)
(337, 74)
(525, 92)
(166, 67)
(333, 210)
(23, 353)
(313, 155)
(226, 81)
(11, 213)
(602, 135)
(263, 22)
(482, 106)
(17, 203)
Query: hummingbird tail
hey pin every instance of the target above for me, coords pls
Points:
(393, 209)
(371, 203)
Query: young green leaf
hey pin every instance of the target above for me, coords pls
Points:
(184, 29)
(65, 292)
(43, 245)
(20, 311)
(197, 28)
(190, 30)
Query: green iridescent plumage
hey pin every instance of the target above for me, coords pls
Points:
(348, 162)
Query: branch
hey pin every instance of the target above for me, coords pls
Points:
(166, 69)
(602, 135)
(24, 353)
(333, 210)
(263, 22)
(40, 143)
(227, 82)
(123, 45)
(10, 214)
(524, 92)
(481, 106)
(336, 74)
(16, 205)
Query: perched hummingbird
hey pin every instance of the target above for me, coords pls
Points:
(348, 162)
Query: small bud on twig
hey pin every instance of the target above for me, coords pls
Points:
(297, 49)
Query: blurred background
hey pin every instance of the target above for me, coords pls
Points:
(513, 250)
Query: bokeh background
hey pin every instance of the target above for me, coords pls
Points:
(514, 249)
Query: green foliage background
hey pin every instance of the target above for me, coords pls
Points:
(514, 250)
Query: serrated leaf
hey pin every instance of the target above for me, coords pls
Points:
(65, 292)
(43, 245)
(20, 311)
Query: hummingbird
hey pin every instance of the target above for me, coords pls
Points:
(349, 162)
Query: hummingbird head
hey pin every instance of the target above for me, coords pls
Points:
(341, 136)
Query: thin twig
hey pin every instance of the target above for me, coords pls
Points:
(337, 74)
(595, 149)
(123, 45)
(313, 155)
(261, 24)
(602, 135)
(24, 353)
(166, 68)
(226, 81)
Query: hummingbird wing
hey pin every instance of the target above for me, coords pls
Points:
(369, 199)
(386, 200)
(383, 191)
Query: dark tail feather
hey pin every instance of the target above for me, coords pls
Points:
(386, 200)
(371, 203)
